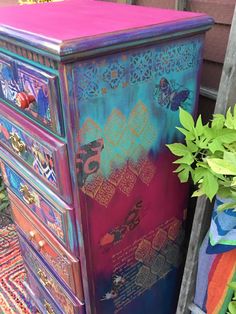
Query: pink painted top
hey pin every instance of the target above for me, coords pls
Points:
(77, 19)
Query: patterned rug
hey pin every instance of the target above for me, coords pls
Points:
(13, 297)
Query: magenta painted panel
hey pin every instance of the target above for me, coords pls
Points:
(86, 18)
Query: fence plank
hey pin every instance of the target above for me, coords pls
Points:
(227, 89)
(126, 1)
(180, 4)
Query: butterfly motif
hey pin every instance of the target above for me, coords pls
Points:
(169, 97)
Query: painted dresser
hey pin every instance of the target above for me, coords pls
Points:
(89, 95)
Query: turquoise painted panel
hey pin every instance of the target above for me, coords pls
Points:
(131, 99)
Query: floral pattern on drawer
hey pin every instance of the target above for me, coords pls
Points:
(63, 264)
(41, 152)
(33, 91)
(54, 219)
(50, 283)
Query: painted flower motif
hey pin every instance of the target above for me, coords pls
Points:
(114, 74)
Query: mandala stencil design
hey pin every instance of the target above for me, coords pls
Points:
(109, 73)
(114, 74)
(88, 82)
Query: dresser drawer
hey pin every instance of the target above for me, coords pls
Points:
(31, 90)
(47, 280)
(50, 210)
(59, 260)
(43, 300)
(39, 151)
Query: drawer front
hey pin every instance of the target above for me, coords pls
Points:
(43, 299)
(43, 154)
(59, 260)
(58, 219)
(33, 91)
(46, 279)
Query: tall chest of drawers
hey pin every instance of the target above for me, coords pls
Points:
(89, 95)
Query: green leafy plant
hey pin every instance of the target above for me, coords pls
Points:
(232, 304)
(208, 155)
(4, 203)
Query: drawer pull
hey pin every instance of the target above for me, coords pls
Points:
(32, 235)
(43, 277)
(17, 144)
(27, 195)
(48, 307)
(23, 100)
(41, 244)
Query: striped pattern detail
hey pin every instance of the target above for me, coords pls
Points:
(13, 297)
(45, 171)
(29, 55)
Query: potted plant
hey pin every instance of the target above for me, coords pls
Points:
(208, 155)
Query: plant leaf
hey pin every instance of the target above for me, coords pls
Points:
(191, 146)
(199, 126)
(198, 193)
(178, 149)
(229, 120)
(224, 192)
(233, 183)
(229, 156)
(218, 121)
(232, 307)
(225, 206)
(187, 159)
(221, 166)
(232, 285)
(210, 185)
(184, 174)
(185, 132)
(216, 145)
(186, 119)
(198, 174)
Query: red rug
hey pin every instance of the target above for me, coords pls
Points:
(13, 297)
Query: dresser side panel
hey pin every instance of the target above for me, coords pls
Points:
(122, 109)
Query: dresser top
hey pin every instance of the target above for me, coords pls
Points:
(79, 25)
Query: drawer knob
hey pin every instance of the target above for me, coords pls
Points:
(32, 235)
(44, 279)
(48, 307)
(16, 142)
(23, 100)
(41, 244)
(28, 196)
